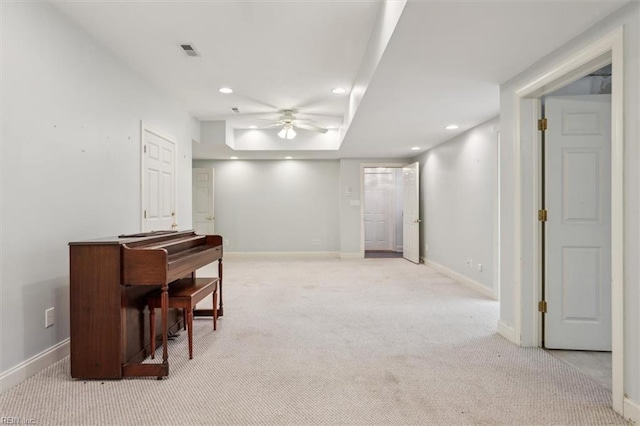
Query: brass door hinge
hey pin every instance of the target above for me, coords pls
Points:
(542, 124)
(542, 306)
(542, 215)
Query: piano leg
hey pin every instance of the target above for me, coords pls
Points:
(164, 306)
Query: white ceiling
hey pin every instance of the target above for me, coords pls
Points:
(443, 64)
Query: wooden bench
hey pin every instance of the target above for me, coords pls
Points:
(185, 294)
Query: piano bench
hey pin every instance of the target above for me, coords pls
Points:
(184, 294)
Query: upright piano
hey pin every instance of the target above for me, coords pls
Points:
(110, 280)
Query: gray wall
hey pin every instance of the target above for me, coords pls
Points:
(458, 191)
(71, 116)
(281, 206)
(276, 206)
(629, 17)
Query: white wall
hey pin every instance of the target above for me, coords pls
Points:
(629, 17)
(276, 206)
(351, 233)
(71, 116)
(458, 185)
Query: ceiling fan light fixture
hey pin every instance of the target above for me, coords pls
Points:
(287, 132)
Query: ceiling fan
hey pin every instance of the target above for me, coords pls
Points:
(289, 122)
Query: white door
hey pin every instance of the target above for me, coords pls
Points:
(203, 219)
(578, 228)
(158, 181)
(379, 187)
(411, 212)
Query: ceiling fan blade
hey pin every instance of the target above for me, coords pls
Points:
(256, 101)
(317, 114)
(270, 126)
(311, 102)
(256, 115)
(308, 126)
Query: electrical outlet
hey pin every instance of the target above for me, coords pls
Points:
(49, 317)
(226, 242)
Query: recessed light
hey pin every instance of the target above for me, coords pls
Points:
(415, 148)
(234, 158)
(225, 90)
(253, 127)
(339, 90)
(451, 127)
(288, 158)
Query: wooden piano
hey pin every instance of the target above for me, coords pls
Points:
(110, 279)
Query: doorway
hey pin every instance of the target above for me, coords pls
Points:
(382, 217)
(410, 217)
(527, 328)
(575, 197)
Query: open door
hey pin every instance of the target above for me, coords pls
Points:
(411, 212)
(578, 228)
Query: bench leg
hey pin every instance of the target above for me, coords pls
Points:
(215, 310)
(190, 331)
(152, 329)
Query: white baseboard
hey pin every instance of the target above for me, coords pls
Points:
(507, 332)
(21, 372)
(351, 256)
(480, 288)
(282, 254)
(631, 410)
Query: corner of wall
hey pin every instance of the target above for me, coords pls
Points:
(507, 332)
(631, 410)
(480, 288)
(34, 365)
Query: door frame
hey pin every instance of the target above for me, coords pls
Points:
(145, 127)
(607, 50)
(362, 167)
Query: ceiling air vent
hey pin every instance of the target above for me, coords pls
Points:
(235, 109)
(189, 50)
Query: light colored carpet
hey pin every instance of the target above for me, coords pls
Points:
(328, 341)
